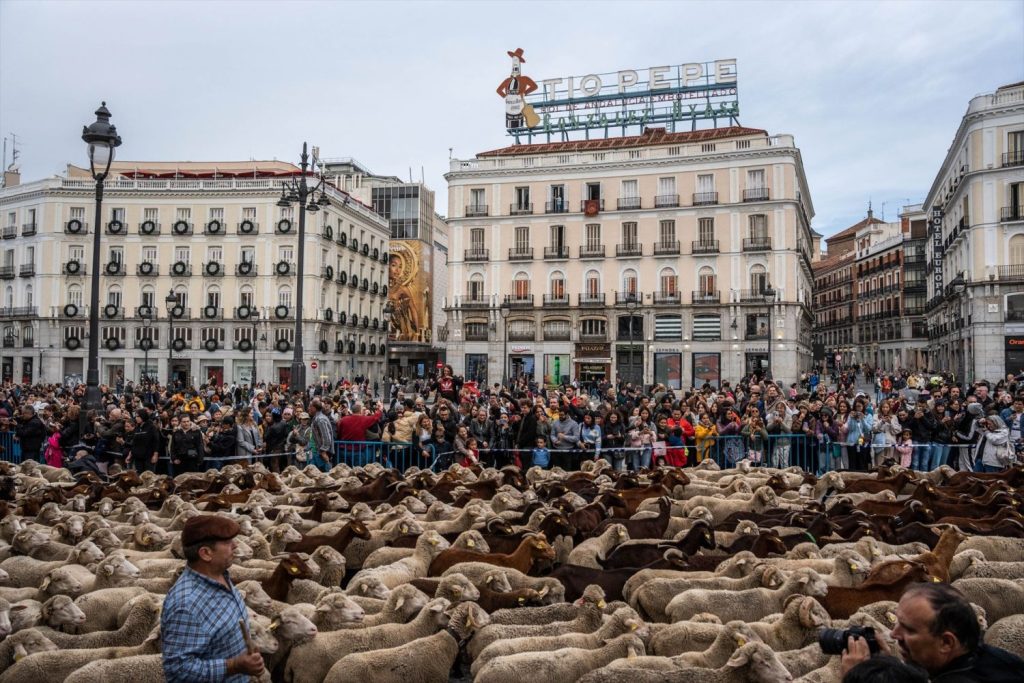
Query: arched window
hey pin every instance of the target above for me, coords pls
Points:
(213, 297)
(75, 295)
(284, 297)
(758, 278)
(475, 287)
(114, 296)
(181, 294)
(592, 283)
(707, 282)
(668, 281)
(148, 296)
(521, 286)
(245, 296)
(556, 285)
(629, 282)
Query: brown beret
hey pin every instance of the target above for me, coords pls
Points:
(209, 528)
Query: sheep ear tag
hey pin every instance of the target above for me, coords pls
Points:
(293, 569)
(740, 641)
(601, 604)
(405, 528)
(470, 543)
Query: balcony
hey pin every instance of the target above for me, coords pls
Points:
(74, 268)
(148, 269)
(27, 270)
(757, 244)
(583, 204)
(149, 228)
(520, 254)
(666, 298)
(284, 269)
(519, 300)
(913, 310)
(180, 313)
(213, 313)
(116, 227)
(754, 296)
(182, 228)
(528, 335)
(146, 312)
(1014, 158)
(593, 336)
(705, 198)
(476, 335)
(561, 252)
(7, 272)
(19, 312)
(246, 269)
(1010, 273)
(623, 298)
(214, 227)
(29, 229)
(706, 298)
(666, 201)
(557, 206)
(248, 227)
(476, 210)
(213, 269)
(9, 342)
(114, 268)
(592, 251)
(591, 299)
(113, 312)
(181, 269)
(1011, 213)
(473, 301)
(76, 226)
(666, 248)
(628, 203)
(520, 209)
(556, 299)
(705, 247)
(914, 286)
(477, 254)
(562, 333)
(756, 194)
(9, 232)
(629, 249)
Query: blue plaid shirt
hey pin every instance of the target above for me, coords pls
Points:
(199, 629)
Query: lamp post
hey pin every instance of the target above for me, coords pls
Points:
(172, 302)
(632, 305)
(147, 321)
(255, 322)
(300, 191)
(504, 310)
(769, 294)
(102, 139)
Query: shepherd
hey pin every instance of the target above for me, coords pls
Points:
(514, 89)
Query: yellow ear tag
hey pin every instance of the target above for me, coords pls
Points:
(936, 579)
(601, 604)
(405, 528)
(522, 600)
(891, 617)
(293, 569)
(741, 641)
(632, 627)
(470, 543)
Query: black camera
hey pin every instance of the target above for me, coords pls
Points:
(833, 640)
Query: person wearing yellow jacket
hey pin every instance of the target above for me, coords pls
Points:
(704, 436)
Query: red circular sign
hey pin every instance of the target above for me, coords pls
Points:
(313, 365)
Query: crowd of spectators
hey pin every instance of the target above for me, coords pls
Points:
(821, 423)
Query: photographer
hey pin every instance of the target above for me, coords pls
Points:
(938, 631)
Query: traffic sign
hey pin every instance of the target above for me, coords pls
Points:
(313, 365)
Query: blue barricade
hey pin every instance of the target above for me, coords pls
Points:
(10, 450)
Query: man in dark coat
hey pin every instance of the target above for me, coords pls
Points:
(30, 432)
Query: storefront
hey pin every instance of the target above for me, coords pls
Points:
(1014, 355)
(593, 362)
(629, 363)
(756, 361)
(522, 362)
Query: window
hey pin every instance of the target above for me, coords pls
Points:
(758, 279)
(28, 297)
(557, 285)
(114, 296)
(593, 191)
(755, 179)
(183, 254)
(285, 253)
(477, 199)
(758, 226)
(12, 217)
(75, 295)
(669, 281)
(557, 330)
(288, 213)
(245, 297)
(707, 328)
(77, 213)
(117, 254)
(30, 255)
(558, 197)
(668, 327)
(476, 331)
(217, 214)
(215, 254)
(476, 287)
(629, 235)
(705, 183)
(631, 325)
(284, 297)
(248, 213)
(183, 214)
(706, 230)
(630, 190)
(707, 147)
(522, 197)
(594, 327)
(247, 254)
(150, 214)
(522, 237)
(213, 297)
(592, 283)
(148, 296)
(558, 237)
(149, 254)
(707, 281)
(476, 239)
(667, 186)
(116, 214)
(629, 282)
(667, 232)
(593, 235)
(521, 286)
(1016, 249)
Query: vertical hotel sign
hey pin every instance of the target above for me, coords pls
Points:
(621, 100)
(937, 249)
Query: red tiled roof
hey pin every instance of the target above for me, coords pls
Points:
(832, 262)
(852, 230)
(650, 136)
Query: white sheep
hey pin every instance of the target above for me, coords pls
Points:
(739, 565)
(57, 612)
(753, 603)
(1008, 633)
(653, 597)
(22, 644)
(140, 669)
(753, 663)
(985, 569)
(730, 638)
(102, 607)
(561, 666)
(428, 546)
(998, 597)
(552, 589)
(593, 551)
(27, 571)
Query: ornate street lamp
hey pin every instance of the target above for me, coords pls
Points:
(102, 138)
(172, 301)
(147, 322)
(255, 320)
(632, 305)
(299, 191)
(505, 309)
(769, 294)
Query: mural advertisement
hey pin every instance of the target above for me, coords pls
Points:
(409, 291)
(556, 369)
(707, 369)
(668, 369)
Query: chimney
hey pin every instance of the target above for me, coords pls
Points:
(12, 178)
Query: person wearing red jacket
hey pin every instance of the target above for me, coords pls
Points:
(687, 433)
(353, 427)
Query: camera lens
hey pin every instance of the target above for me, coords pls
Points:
(832, 640)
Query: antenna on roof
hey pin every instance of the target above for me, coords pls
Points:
(450, 153)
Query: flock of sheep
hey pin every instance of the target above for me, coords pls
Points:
(369, 575)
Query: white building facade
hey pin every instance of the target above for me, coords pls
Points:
(679, 258)
(211, 236)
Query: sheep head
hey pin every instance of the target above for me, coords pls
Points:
(243, 551)
(28, 541)
(117, 569)
(291, 625)
(592, 595)
(431, 544)
(497, 581)
(283, 534)
(760, 661)
(457, 588)
(28, 642)
(626, 620)
(254, 595)
(465, 619)
(149, 536)
(262, 637)
(296, 567)
(406, 600)
(61, 610)
(770, 575)
(437, 610)
(472, 540)
(808, 582)
(741, 633)
(370, 587)
(338, 608)
(60, 581)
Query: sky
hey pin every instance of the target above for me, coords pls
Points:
(872, 92)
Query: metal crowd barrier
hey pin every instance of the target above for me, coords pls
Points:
(10, 450)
